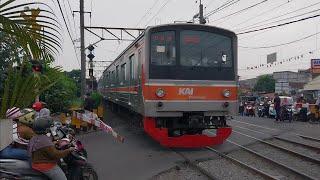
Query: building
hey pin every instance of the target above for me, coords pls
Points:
(286, 81)
(290, 82)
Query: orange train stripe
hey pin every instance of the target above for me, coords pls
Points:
(180, 92)
(189, 93)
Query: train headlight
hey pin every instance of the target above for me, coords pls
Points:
(226, 93)
(160, 93)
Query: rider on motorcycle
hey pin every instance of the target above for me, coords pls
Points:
(43, 152)
(22, 133)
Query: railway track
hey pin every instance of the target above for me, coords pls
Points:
(195, 166)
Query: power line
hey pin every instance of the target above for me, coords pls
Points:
(223, 6)
(279, 25)
(284, 19)
(277, 17)
(263, 13)
(69, 22)
(74, 22)
(282, 44)
(242, 10)
(148, 11)
(163, 5)
(65, 22)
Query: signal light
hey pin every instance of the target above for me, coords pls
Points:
(36, 66)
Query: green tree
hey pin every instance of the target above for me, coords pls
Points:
(60, 96)
(265, 83)
(36, 32)
(76, 76)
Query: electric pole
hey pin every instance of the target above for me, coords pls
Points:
(201, 18)
(82, 50)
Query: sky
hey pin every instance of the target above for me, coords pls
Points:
(143, 13)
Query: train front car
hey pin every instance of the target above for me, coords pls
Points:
(189, 84)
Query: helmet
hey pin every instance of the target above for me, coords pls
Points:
(13, 113)
(27, 116)
(37, 106)
(42, 125)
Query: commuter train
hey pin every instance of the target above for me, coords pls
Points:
(181, 79)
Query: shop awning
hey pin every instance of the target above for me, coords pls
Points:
(313, 85)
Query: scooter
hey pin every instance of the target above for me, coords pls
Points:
(250, 110)
(75, 165)
(286, 113)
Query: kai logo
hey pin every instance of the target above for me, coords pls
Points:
(185, 91)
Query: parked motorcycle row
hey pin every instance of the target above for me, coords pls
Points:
(75, 165)
(289, 110)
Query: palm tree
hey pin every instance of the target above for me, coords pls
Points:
(37, 32)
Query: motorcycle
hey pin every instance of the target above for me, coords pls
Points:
(286, 113)
(75, 165)
(263, 110)
(250, 110)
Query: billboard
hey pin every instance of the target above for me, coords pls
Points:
(315, 66)
(271, 58)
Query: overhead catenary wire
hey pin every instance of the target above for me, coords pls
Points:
(279, 25)
(242, 10)
(163, 5)
(263, 13)
(282, 44)
(220, 8)
(292, 17)
(148, 11)
(278, 16)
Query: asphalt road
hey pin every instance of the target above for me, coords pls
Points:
(139, 157)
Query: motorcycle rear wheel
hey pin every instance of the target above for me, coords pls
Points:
(88, 173)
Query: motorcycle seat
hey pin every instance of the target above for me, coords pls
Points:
(19, 167)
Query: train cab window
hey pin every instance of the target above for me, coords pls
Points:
(123, 73)
(205, 49)
(132, 66)
(163, 48)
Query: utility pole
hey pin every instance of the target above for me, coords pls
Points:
(201, 18)
(82, 50)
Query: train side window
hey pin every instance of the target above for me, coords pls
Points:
(139, 61)
(112, 78)
(123, 73)
(117, 75)
(132, 66)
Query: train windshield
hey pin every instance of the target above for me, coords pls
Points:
(191, 55)
(205, 49)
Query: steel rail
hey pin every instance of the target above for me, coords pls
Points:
(310, 138)
(305, 176)
(195, 166)
(264, 174)
(298, 143)
(281, 148)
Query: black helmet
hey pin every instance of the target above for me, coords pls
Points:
(42, 125)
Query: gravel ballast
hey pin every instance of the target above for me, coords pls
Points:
(264, 165)
(182, 172)
(289, 160)
(227, 170)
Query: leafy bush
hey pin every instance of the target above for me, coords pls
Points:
(97, 98)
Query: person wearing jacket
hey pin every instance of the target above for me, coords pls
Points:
(43, 153)
(22, 133)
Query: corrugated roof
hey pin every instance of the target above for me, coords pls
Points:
(313, 85)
